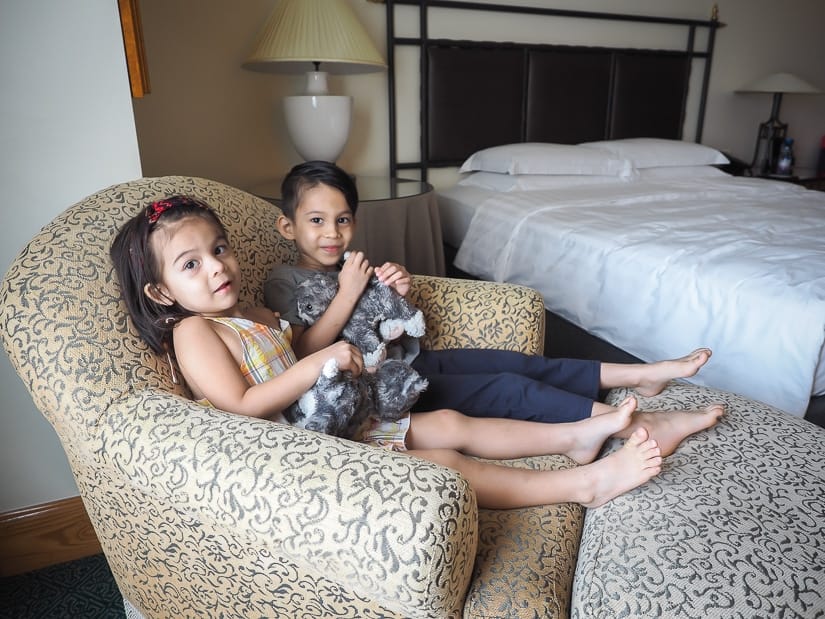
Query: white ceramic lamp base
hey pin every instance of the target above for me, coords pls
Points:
(318, 125)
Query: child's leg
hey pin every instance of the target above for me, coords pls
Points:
(504, 395)
(517, 397)
(511, 438)
(649, 379)
(670, 428)
(579, 376)
(502, 487)
(501, 383)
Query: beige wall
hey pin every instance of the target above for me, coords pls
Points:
(208, 116)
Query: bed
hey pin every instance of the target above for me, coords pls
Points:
(666, 261)
(653, 253)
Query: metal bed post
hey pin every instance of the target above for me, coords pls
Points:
(424, 87)
(391, 85)
(714, 24)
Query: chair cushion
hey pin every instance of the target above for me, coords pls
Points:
(526, 557)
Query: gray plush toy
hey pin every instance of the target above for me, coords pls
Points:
(380, 316)
(338, 403)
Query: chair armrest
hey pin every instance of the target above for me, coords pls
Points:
(463, 313)
(384, 526)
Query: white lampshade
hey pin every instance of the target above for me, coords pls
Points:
(303, 33)
(300, 32)
(780, 82)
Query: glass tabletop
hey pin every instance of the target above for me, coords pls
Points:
(370, 188)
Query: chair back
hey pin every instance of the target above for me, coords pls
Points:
(65, 327)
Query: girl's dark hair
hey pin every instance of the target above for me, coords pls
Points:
(311, 174)
(136, 265)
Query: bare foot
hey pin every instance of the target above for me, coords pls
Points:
(637, 461)
(657, 375)
(591, 433)
(670, 428)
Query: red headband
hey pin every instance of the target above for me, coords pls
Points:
(156, 209)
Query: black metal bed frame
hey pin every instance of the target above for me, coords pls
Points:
(424, 43)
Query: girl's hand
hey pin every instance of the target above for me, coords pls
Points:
(354, 275)
(395, 276)
(349, 357)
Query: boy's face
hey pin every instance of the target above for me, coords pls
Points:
(322, 229)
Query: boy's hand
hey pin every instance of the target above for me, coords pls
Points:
(354, 275)
(395, 276)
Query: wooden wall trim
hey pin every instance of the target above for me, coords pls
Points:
(43, 535)
(133, 44)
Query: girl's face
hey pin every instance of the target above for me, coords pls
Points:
(322, 229)
(198, 268)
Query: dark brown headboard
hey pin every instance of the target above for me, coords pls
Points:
(476, 94)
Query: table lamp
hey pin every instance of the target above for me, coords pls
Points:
(773, 132)
(303, 35)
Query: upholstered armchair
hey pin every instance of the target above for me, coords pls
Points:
(202, 513)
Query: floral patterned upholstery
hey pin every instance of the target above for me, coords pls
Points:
(205, 514)
(733, 527)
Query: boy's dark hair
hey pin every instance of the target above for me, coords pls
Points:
(311, 174)
(136, 265)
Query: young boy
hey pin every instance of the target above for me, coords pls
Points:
(319, 201)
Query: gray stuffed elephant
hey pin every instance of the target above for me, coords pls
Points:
(380, 316)
(338, 403)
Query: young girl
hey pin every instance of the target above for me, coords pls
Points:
(181, 281)
(319, 203)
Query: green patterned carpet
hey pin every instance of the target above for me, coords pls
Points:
(82, 589)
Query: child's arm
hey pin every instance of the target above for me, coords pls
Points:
(395, 276)
(212, 372)
(352, 280)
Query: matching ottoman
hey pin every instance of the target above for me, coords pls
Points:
(734, 526)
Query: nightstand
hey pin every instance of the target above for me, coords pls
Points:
(811, 181)
(397, 222)
(802, 176)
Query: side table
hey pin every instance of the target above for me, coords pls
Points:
(397, 221)
(806, 177)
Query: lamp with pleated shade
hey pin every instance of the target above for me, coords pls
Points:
(316, 37)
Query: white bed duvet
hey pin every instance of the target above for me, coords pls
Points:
(660, 268)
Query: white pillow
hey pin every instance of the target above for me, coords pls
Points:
(534, 182)
(489, 180)
(543, 158)
(658, 152)
(679, 172)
